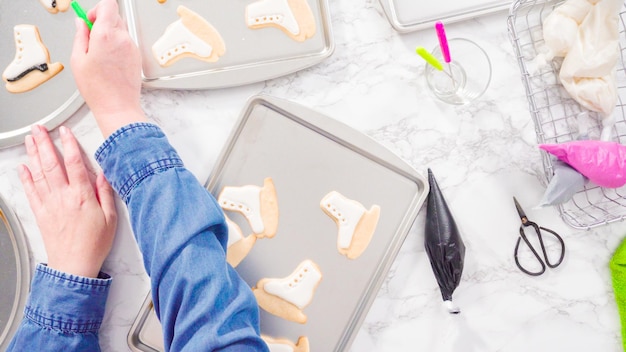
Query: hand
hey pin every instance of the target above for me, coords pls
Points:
(107, 68)
(77, 219)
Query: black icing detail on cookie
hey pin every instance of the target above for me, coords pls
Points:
(54, 4)
(43, 67)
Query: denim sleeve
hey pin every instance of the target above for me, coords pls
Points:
(201, 301)
(63, 312)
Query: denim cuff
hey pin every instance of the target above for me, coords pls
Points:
(133, 153)
(66, 302)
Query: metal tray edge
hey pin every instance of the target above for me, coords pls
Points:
(23, 265)
(224, 78)
(52, 121)
(133, 340)
(407, 28)
(342, 133)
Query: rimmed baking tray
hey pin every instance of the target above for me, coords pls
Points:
(57, 99)
(251, 55)
(308, 155)
(411, 15)
(14, 273)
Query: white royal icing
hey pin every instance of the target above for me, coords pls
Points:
(48, 4)
(273, 11)
(279, 347)
(246, 200)
(297, 288)
(29, 51)
(347, 212)
(234, 232)
(178, 40)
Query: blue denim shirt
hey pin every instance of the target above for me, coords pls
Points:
(201, 301)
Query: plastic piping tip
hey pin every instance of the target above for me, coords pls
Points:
(429, 58)
(452, 308)
(443, 41)
(81, 13)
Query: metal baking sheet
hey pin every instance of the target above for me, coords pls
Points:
(308, 155)
(411, 15)
(14, 274)
(53, 102)
(251, 55)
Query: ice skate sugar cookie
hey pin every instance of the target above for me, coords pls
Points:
(54, 6)
(293, 17)
(259, 205)
(31, 66)
(356, 225)
(238, 246)
(190, 36)
(284, 345)
(287, 297)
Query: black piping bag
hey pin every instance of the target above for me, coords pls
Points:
(443, 243)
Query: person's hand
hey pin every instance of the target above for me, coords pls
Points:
(107, 68)
(77, 219)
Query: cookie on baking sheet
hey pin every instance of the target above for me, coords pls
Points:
(238, 246)
(284, 345)
(293, 17)
(259, 205)
(287, 297)
(54, 6)
(356, 225)
(190, 36)
(31, 66)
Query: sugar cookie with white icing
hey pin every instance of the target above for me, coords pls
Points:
(190, 36)
(31, 66)
(293, 17)
(356, 225)
(54, 6)
(284, 345)
(238, 246)
(287, 297)
(259, 205)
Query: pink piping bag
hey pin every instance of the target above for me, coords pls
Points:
(604, 163)
(443, 42)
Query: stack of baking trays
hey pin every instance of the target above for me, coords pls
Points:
(184, 45)
(345, 205)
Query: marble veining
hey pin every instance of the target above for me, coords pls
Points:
(483, 154)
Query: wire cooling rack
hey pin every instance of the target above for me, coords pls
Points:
(557, 116)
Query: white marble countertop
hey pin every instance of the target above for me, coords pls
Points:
(482, 154)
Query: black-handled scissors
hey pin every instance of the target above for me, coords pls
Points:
(538, 230)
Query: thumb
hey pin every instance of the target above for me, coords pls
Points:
(81, 38)
(105, 195)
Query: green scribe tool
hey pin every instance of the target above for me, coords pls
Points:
(429, 58)
(81, 13)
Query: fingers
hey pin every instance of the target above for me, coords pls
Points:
(105, 195)
(81, 39)
(29, 187)
(75, 167)
(37, 176)
(49, 163)
(106, 13)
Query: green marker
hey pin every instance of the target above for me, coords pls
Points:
(429, 58)
(81, 13)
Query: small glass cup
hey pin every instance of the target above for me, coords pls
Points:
(465, 78)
